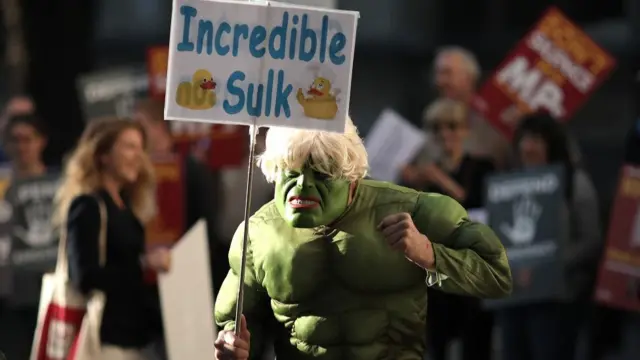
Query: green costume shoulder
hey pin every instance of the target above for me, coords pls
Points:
(342, 292)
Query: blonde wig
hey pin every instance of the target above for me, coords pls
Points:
(83, 170)
(341, 156)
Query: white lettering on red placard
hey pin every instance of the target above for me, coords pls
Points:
(577, 75)
(160, 82)
(61, 335)
(532, 87)
(190, 128)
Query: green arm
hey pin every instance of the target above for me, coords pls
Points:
(469, 254)
(255, 298)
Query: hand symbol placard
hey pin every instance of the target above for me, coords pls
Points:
(39, 233)
(525, 217)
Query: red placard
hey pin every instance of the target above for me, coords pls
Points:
(169, 224)
(619, 277)
(157, 66)
(554, 69)
(220, 146)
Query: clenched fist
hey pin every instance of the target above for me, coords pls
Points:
(401, 234)
(231, 347)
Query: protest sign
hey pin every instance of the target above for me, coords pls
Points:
(554, 69)
(330, 4)
(527, 211)
(619, 277)
(112, 92)
(267, 63)
(219, 145)
(391, 143)
(478, 215)
(157, 63)
(169, 223)
(186, 298)
(34, 246)
(5, 234)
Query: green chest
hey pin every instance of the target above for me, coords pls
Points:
(295, 265)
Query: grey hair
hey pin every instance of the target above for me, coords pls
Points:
(447, 109)
(469, 59)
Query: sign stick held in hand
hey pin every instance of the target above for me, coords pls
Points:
(253, 133)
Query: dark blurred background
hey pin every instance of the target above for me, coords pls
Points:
(395, 46)
(396, 43)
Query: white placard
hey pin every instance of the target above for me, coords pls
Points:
(392, 143)
(273, 63)
(329, 4)
(479, 215)
(186, 297)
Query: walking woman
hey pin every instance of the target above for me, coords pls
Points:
(110, 167)
(548, 330)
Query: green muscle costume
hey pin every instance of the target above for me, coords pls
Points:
(342, 292)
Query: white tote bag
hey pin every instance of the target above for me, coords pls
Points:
(69, 322)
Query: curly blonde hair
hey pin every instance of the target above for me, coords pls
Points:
(83, 170)
(339, 155)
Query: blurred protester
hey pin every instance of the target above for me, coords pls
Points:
(18, 105)
(456, 76)
(25, 140)
(203, 187)
(112, 167)
(549, 330)
(460, 176)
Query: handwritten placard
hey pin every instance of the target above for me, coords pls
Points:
(273, 63)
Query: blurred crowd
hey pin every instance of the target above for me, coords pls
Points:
(113, 162)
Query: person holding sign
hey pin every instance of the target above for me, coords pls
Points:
(110, 165)
(342, 261)
(548, 330)
(461, 176)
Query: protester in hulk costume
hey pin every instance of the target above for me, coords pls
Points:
(342, 261)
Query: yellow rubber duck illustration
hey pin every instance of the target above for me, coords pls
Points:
(198, 94)
(319, 101)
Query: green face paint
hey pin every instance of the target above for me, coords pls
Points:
(306, 198)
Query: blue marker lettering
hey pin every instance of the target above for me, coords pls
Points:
(338, 42)
(254, 108)
(239, 30)
(323, 38)
(281, 32)
(282, 96)
(256, 41)
(269, 95)
(294, 37)
(205, 29)
(234, 90)
(224, 27)
(188, 12)
(307, 34)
